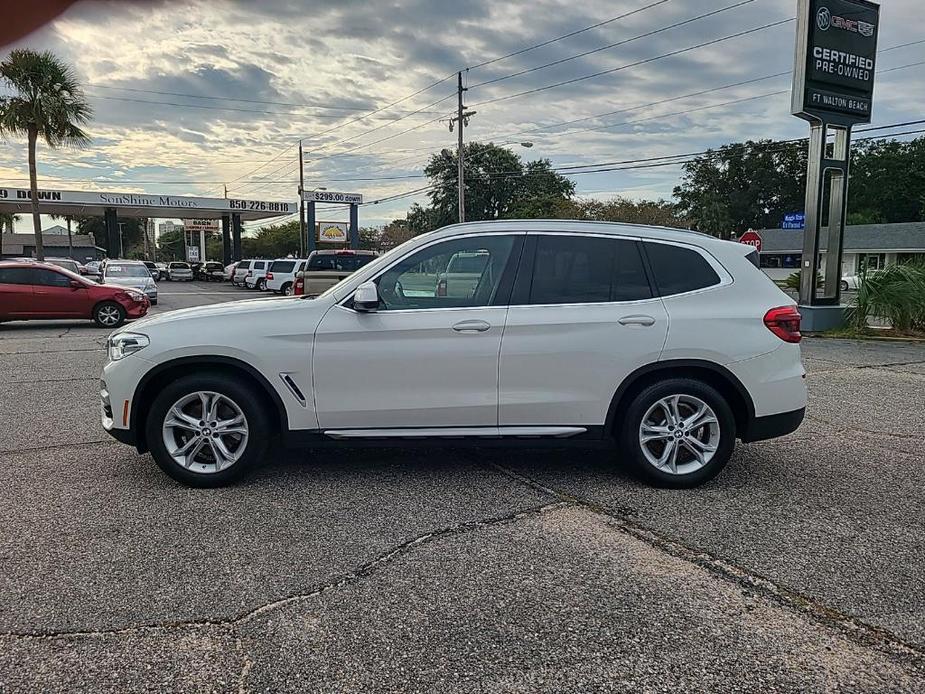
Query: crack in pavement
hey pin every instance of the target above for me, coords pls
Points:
(367, 569)
(54, 351)
(858, 631)
(839, 428)
(50, 380)
(52, 446)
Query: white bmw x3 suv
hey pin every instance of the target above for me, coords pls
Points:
(666, 345)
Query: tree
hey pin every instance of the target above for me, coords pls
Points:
(887, 181)
(47, 100)
(131, 230)
(743, 185)
(652, 212)
(498, 185)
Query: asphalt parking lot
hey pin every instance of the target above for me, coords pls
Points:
(801, 568)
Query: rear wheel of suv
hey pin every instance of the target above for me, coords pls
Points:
(678, 433)
(109, 314)
(261, 284)
(287, 289)
(206, 430)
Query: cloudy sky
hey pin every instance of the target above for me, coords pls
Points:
(190, 96)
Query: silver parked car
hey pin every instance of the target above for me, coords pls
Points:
(132, 274)
(179, 272)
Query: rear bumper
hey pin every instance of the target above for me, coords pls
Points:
(774, 425)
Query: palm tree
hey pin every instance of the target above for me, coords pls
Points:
(6, 222)
(47, 100)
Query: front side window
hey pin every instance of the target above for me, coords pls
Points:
(50, 278)
(587, 269)
(678, 269)
(443, 276)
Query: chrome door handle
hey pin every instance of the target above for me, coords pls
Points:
(471, 326)
(637, 320)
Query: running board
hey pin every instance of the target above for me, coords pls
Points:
(561, 432)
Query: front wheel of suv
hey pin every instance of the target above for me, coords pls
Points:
(678, 433)
(207, 430)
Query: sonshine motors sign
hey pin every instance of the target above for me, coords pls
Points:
(836, 53)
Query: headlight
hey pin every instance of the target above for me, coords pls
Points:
(123, 344)
(135, 294)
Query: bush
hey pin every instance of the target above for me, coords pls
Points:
(896, 293)
(793, 281)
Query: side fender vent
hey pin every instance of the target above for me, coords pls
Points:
(293, 388)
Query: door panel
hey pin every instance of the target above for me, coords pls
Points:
(15, 293)
(425, 358)
(407, 368)
(53, 297)
(562, 364)
(583, 321)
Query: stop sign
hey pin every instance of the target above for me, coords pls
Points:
(751, 238)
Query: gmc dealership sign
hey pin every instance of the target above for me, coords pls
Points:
(836, 51)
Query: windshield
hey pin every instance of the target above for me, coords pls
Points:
(115, 270)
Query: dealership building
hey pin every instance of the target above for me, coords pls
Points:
(872, 245)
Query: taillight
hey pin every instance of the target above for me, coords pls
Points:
(299, 287)
(784, 321)
(269, 275)
(441, 288)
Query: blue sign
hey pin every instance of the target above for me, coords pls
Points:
(794, 220)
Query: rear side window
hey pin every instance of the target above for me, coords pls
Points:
(678, 270)
(282, 266)
(16, 275)
(351, 263)
(321, 262)
(259, 265)
(587, 269)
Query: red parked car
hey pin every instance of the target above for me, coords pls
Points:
(38, 291)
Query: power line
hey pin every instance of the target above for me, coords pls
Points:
(215, 108)
(649, 162)
(635, 63)
(568, 35)
(614, 45)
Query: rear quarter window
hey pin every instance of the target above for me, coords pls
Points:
(282, 266)
(677, 269)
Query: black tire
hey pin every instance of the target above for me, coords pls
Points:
(104, 309)
(242, 395)
(628, 433)
(287, 289)
(261, 285)
(844, 286)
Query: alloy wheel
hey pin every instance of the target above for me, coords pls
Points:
(679, 434)
(109, 315)
(205, 432)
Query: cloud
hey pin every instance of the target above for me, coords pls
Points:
(278, 71)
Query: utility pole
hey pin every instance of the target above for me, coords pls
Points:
(461, 120)
(302, 237)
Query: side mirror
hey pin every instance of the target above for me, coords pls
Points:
(76, 285)
(366, 298)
